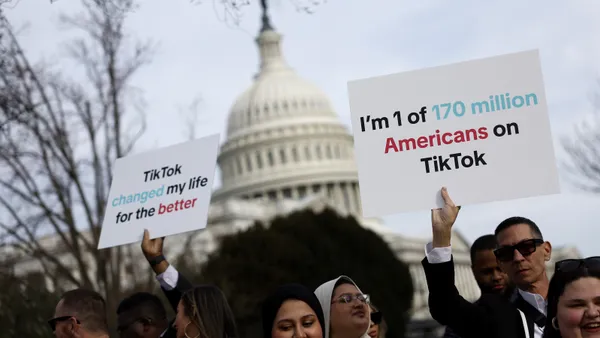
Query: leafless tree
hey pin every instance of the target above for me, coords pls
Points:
(59, 144)
(582, 165)
(231, 11)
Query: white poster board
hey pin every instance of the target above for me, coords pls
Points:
(166, 191)
(480, 128)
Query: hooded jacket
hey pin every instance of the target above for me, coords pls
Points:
(324, 294)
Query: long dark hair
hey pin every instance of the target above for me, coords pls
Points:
(209, 311)
(559, 282)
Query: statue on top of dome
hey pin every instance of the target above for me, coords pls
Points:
(266, 22)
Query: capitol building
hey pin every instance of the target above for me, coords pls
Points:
(286, 149)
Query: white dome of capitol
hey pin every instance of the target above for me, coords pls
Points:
(284, 139)
(278, 96)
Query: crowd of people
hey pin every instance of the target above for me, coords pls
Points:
(518, 300)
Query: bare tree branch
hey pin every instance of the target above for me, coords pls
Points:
(191, 117)
(582, 166)
(60, 139)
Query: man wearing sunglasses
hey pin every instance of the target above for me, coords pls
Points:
(521, 253)
(80, 313)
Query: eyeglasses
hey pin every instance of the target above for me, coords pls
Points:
(376, 317)
(348, 298)
(525, 248)
(570, 265)
(52, 322)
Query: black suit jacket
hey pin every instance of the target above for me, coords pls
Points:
(492, 316)
(174, 296)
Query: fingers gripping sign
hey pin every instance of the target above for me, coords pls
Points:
(152, 247)
(442, 220)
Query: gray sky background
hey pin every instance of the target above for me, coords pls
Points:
(200, 53)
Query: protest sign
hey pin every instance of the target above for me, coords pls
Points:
(166, 191)
(480, 128)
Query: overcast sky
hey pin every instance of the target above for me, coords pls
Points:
(200, 53)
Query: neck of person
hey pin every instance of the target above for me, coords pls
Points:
(539, 287)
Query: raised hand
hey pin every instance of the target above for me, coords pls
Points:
(152, 247)
(442, 220)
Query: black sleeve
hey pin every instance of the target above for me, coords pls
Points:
(174, 295)
(450, 334)
(449, 308)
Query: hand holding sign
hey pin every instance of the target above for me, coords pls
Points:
(152, 248)
(442, 220)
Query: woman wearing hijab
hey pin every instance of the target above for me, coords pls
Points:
(292, 311)
(345, 308)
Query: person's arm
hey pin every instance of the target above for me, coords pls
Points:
(172, 283)
(445, 303)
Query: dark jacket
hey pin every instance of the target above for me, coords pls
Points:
(492, 316)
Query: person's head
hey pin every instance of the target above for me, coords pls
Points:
(80, 313)
(378, 326)
(574, 299)
(292, 311)
(521, 251)
(345, 308)
(204, 312)
(141, 315)
(487, 272)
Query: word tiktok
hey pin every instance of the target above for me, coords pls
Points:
(157, 174)
(453, 161)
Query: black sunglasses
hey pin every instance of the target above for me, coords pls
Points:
(52, 322)
(570, 265)
(376, 317)
(525, 248)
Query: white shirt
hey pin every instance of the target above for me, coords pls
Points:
(443, 255)
(168, 279)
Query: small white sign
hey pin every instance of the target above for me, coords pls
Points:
(166, 191)
(480, 128)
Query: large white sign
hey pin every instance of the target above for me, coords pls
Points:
(480, 128)
(166, 191)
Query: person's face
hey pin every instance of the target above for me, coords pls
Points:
(296, 319)
(578, 309)
(348, 318)
(182, 323)
(487, 272)
(523, 269)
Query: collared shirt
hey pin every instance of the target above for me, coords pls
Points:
(443, 255)
(540, 304)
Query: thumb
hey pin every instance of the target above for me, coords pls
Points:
(446, 197)
(146, 235)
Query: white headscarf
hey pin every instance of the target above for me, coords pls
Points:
(324, 294)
